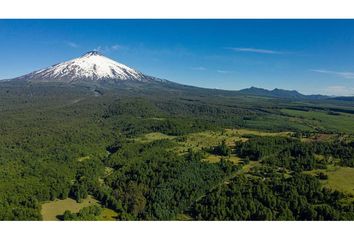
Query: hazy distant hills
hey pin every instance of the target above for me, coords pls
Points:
(280, 93)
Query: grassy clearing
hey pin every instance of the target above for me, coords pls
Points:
(214, 158)
(81, 159)
(150, 137)
(197, 141)
(157, 118)
(50, 210)
(248, 167)
(108, 215)
(321, 137)
(108, 171)
(339, 178)
(183, 217)
(323, 120)
(205, 139)
(241, 132)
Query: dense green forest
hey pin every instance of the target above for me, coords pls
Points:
(60, 142)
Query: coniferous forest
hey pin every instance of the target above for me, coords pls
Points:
(177, 154)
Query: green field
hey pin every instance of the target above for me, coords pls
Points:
(51, 210)
(339, 178)
(214, 158)
(108, 215)
(342, 179)
(212, 138)
(324, 121)
(199, 140)
(150, 137)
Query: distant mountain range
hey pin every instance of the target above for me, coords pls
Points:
(94, 69)
(279, 93)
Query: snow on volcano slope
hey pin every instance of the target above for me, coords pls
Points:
(92, 66)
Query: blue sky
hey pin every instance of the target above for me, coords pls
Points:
(311, 56)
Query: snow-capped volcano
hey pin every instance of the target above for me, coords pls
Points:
(92, 66)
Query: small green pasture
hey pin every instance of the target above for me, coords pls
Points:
(339, 178)
(154, 136)
(51, 210)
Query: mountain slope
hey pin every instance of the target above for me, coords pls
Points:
(91, 67)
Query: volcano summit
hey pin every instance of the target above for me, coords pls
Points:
(91, 67)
